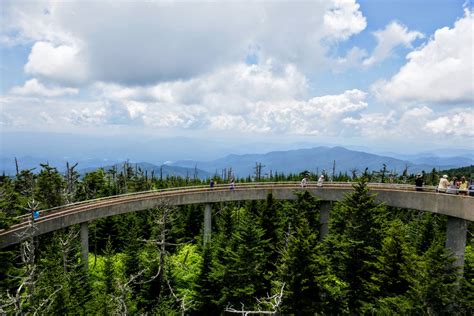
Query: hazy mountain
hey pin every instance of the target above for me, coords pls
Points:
(440, 155)
(156, 151)
(313, 159)
(7, 166)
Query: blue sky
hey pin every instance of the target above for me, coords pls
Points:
(385, 74)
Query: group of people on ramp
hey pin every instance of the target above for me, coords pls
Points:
(455, 186)
(304, 181)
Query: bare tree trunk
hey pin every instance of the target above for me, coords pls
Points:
(333, 170)
(17, 168)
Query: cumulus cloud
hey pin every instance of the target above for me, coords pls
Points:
(227, 87)
(61, 63)
(251, 98)
(392, 36)
(265, 98)
(440, 71)
(87, 116)
(372, 125)
(353, 58)
(414, 124)
(344, 19)
(33, 87)
(457, 123)
(167, 41)
(24, 22)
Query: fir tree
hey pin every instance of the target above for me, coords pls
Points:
(436, 287)
(207, 287)
(245, 258)
(353, 243)
(301, 295)
(49, 187)
(271, 234)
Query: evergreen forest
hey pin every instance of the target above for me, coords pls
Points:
(264, 257)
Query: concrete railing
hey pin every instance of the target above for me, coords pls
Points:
(397, 195)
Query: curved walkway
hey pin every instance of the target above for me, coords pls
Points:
(403, 196)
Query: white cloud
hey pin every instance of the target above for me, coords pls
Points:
(250, 98)
(27, 21)
(341, 115)
(87, 116)
(392, 36)
(227, 87)
(372, 125)
(456, 123)
(344, 19)
(33, 87)
(353, 58)
(440, 71)
(60, 63)
(415, 124)
(163, 41)
(136, 109)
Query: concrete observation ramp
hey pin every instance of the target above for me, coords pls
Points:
(404, 196)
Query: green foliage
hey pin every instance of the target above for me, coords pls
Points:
(373, 261)
(11, 205)
(467, 283)
(244, 259)
(185, 267)
(395, 262)
(353, 243)
(94, 185)
(298, 271)
(436, 287)
(49, 187)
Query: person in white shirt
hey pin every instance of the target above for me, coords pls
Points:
(321, 181)
(303, 182)
(443, 184)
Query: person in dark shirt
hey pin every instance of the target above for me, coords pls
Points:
(419, 182)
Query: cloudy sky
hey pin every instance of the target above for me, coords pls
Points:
(335, 71)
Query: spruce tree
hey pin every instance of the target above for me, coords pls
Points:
(354, 241)
(467, 283)
(207, 287)
(301, 295)
(436, 287)
(245, 263)
(271, 234)
(395, 265)
(49, 187)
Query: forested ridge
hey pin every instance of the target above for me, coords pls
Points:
(265, 256)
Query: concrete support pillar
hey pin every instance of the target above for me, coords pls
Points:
(324, 218)
(85, 244)
(207, 223)
(456, 231)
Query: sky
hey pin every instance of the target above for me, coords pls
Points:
(394, 74)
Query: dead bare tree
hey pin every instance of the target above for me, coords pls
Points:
(71, 178)
(354, 173)
(67, 245)
(21, 299)
(124, 290)
(258, 171)
(125, 287)
(270, 303)
(16, 167)
(184, 303)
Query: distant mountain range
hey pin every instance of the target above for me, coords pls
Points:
(289, 161)
(7, 166)
(322, 158)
